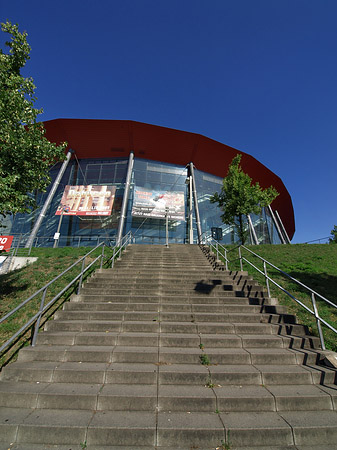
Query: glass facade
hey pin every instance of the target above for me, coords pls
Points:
(153, 185)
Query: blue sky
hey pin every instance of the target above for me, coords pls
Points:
(258, 75)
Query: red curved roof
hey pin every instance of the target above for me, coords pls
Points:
(116, 138)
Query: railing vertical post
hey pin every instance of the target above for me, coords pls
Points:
(266, 277)
(318, 321)
(81, 277)
(102, 256)
(226, 259)
(240, 257)
(113, 258)
(37, 324)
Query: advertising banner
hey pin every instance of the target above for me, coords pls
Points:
(152, 203)
(5, 243)
(87, 201)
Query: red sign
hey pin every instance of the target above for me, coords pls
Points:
(5, 243)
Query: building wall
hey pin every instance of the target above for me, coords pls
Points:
(152, 177)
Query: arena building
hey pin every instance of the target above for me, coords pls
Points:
(123, 175)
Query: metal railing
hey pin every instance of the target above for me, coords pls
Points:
(19, 241)
(221, 251)
(43, 308)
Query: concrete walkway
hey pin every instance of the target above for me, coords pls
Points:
(163, 352)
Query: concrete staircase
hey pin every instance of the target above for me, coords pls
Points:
(163, 352)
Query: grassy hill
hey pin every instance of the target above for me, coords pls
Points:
(314, 265)
(17, 286)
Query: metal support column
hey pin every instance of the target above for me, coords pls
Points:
(196, 207)
(125, 199)
(190, 210)
(282, 226)
(250, 223)
(51, 194)
(276, 224)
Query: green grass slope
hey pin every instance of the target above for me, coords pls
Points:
(314, 265)
(20, 284)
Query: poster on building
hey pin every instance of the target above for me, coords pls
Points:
(87, 201)
(153, 203)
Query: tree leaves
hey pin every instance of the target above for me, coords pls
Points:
(239, 197)
(25, 153)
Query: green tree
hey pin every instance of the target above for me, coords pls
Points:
(240, 197)
(333, 239)
(25, 153)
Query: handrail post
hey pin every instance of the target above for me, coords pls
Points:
(226, 259)
(113, 258)
(102, 256)
(318, 320)
(37, 324)
(80, 282)
(240, 257)
(266, 277)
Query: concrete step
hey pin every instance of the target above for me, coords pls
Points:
(163, 355)
(173, 307)
(139, 397)
(172, 339)
(292, 332)
(186, 282)
(170, 429)
(167, 373)
(254, 291)
(224, 299)
(160, 316)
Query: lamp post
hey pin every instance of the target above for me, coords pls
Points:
(57, 234)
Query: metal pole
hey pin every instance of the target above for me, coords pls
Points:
(56, 241)
(240, 257)
(81, 278)
(317, 320)
(276, 225)
(113, 258)
(266, 277)
(166, 225)
(50, 197)
(250, 223)
(125, 199)
(196, 207)
(282, 226)
(190, 210)
(37, 324)
(102, 257)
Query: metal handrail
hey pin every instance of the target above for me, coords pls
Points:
(43, 308)
(313, 293)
